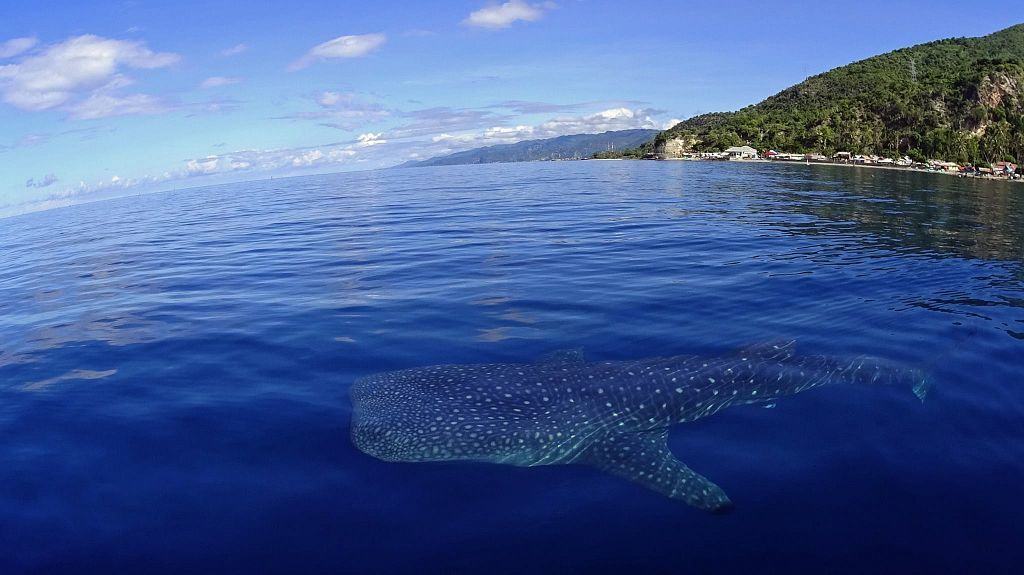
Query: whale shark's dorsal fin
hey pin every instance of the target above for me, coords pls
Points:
(574, 355)
(772, 350)
(645, 458)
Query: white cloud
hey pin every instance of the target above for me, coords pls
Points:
(443, 120)
(33, 140)
(670, 123)
(431, 132)
(276, 160)
(342, 110)
(371, 139)
(79, 191)
(203, 166)
(105, 105)
(356, 46)
(15, 46)
(234, 50)
(212, 106)
(112, 183)
(506, 133)
(218, 81)
(339, 155)
(307, 158)
(453, 139)
(603, 121)
(81, 72)
(612, 119)
(504, 15)
(328, 99)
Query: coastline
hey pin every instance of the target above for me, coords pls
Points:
(845, 165)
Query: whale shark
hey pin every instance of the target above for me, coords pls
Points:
(612, 415)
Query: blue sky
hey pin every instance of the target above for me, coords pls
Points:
(104, 98)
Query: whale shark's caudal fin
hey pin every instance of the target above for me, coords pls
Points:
(922, 386)
(645, 459)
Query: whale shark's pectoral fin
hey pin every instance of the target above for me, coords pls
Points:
(645, 459)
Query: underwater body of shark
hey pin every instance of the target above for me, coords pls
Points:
(613, 415)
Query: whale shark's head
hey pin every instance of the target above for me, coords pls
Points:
(414, 415)
(383, 441)
(439, 413)
(384, 419)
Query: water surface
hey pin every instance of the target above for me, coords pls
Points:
(174, 369)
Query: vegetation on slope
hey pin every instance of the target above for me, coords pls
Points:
(959, 100)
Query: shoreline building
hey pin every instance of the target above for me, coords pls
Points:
(741, 153)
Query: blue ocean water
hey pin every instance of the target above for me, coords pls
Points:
(174, 369)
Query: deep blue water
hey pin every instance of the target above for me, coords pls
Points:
(174, 369)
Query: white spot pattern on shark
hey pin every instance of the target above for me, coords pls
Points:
(610, 415)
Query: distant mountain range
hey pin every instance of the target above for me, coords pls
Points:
(960, 99)
(561, 148)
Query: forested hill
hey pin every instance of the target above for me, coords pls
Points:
(561, 148)
(960, 100)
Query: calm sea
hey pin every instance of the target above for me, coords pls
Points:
(174, 369)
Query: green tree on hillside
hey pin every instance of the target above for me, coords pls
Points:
(960, 100)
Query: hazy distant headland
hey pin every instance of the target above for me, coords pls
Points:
(576, 147)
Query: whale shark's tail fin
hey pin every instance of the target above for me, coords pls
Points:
(923, 377)
(922, 385)
(869, 370)
(644, 458)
